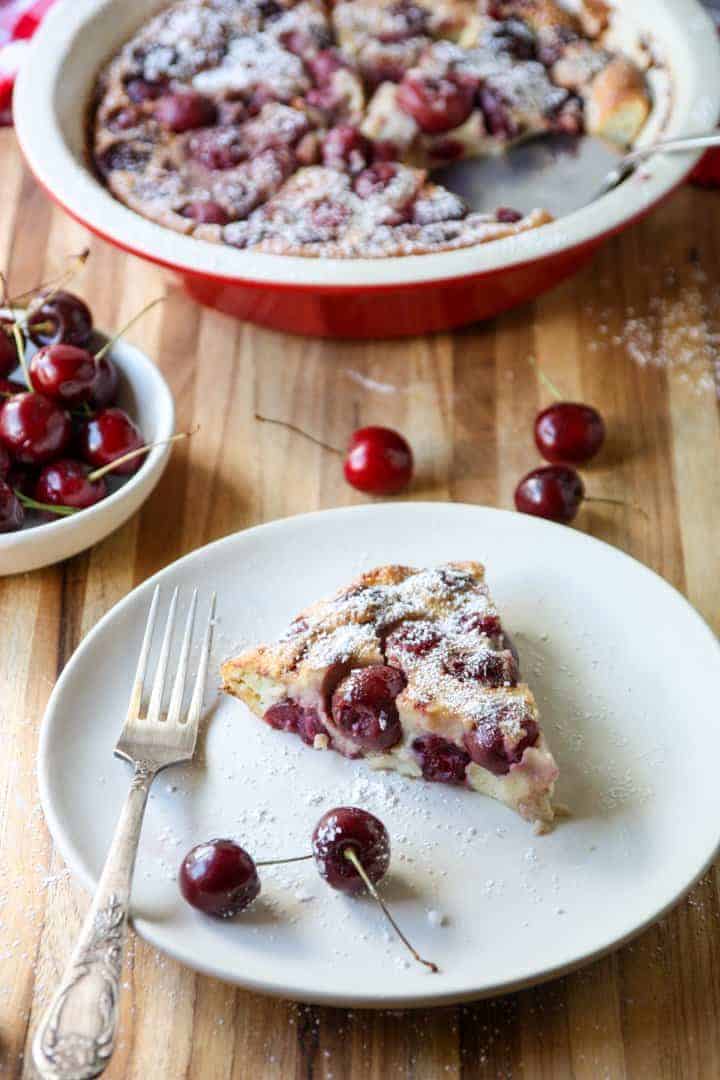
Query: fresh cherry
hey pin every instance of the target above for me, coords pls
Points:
(104, 387)
(65, 482)
(61, 318)
(351, 848)
(379, 461)
(185, 111)
(8, 353)
(10, 387)
(436, 104)
(348, 828)
(64, 372)
(363, 706)
(5, 462)
(219, 878)
(440, 760)
(34, 428)
(554, 492)
(12, 514)
(569, 432)
(107, 436)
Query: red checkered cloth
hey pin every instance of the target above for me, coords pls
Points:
(20, 18)
(18, 21)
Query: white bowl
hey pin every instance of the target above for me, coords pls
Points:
(346, 297)
(145, 395)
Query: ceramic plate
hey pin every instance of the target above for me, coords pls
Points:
(626, 674)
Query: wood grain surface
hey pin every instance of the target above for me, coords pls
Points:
(637, 334)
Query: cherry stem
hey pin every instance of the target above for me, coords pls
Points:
(114, 340)
(20, 346)
(298, 431)
(97, 474)
(545, 379)
(54, 284)
(351, 855)
(33, 504)
(281, 862)
(618, 502)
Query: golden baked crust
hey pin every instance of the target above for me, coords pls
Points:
(617, 103)
(460, 692)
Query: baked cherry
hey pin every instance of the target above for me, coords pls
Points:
(488, 747)
(436, 104)
(345, 147)
(554, 492)
(34, 428)
(344, 829)
(290, 716)
(66, 482)
(8, 353)
(12, 514)
(139, 90)
(64, 372)
(185, 111)
(569, 432)
(323, 65)
(61, 317)
(440, 760)
(219, 878)
(416, 638)
(107, 436)
(218, 148)
(351, 848)
(373, 181)
(105, 384)
(206, 212)
(363, 706)
(379, 461)
(493, 669)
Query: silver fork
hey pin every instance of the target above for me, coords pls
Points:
(76, 1036)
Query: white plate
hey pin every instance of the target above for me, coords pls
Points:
(626, 674)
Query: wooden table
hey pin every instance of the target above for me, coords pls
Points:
(466, 401)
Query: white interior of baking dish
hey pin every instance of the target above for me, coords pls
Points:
(54, 88)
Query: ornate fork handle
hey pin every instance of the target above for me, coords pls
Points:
(76, 1036)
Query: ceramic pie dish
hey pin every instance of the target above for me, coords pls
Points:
(347, 297)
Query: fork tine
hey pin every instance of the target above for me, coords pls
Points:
(137, 689)
(178, 690)
(196, 702)
(156, 695)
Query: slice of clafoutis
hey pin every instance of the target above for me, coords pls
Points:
(412, 671)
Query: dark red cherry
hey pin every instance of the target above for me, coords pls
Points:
(436, 104)
(107, 436)
(206, 212)
(5, 462)
(488, 747)
(554, 492)
(12, 514)
(139, 90)
(484, 624)
(507, 216)
(65, 482)
(379, 461)
(416, 638)
(569, 432)
(104, 388)
(219, 147)
(64, 372)
(489, 668)
(185, 111)
(349, 828)
(373, 181)
(219, 878)
(498, 118)
(9, 387)
(345, 148)
(34, 428)
(440, 760)
(290, 716)
(8, 353)
(363, 706)
(61, 318)
(323, 65)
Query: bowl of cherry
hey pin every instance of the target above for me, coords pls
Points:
(84, 429)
